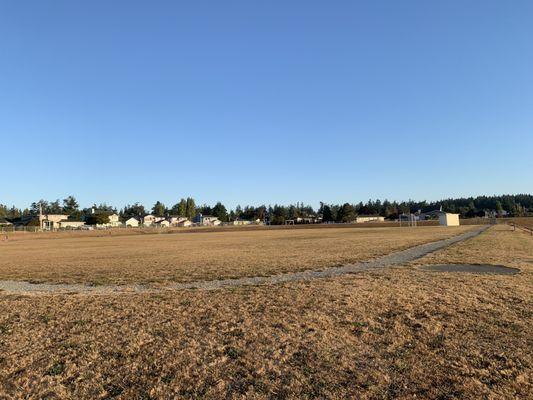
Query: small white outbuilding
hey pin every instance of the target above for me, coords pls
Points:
(448, 219)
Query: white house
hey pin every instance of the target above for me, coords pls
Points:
(162, 223)
(51, 221)
(184, 223)
(132, 223)
(240, 222)
(207, 220)
(66, 224)
(175, 221)
(149, 220)
(369, 218)
(114, 220)
(310, 219)
(448, 219)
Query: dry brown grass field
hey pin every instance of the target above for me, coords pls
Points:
(153, 258)
(393, 333)
(524, 221)
(23, 235)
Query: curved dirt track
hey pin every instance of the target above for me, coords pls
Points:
(396, 258)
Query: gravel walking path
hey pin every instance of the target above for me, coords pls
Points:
(396, 258)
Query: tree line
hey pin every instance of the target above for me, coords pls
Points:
(513, 205)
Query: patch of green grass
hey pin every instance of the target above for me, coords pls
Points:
(56, 369)
(437, 341)
(359, 328)
(233, 352)
(4, 329)
(113, 390)
(46, 318)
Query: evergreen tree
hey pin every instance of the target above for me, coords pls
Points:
(180, 209)
(70, 205)
(204, 209)
(279, 215)
(220, 212)
(14, 212)
(35, 207)
(346, 213)
(76, 215)
(327, 215)
(190, 208)
(104, 208)
(260, 213)
(499, 208)
(132, 211)
(159, 209)
(293, 212)
(55, 207)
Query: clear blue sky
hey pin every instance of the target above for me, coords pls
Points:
(264, 102)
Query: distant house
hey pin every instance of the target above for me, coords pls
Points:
(162, 223)
(149, 220)
(132, 222)
(184, 223)
(47, 222)
(67, 224)
(175, 221)
(494, 213)
(310, 219)
(114, 220)
(5, 222)
(50, 222)
(25, 220)
(206, 220)
(369, 218)
(240, 222)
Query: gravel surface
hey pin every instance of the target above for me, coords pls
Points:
(396, 258)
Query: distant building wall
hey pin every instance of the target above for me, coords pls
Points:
(70, 224)
(449, 219)
(369, 218)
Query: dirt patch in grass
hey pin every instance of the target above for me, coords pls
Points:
(203, 256)
(471, 268)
